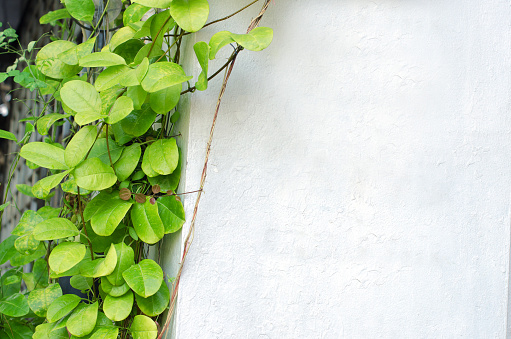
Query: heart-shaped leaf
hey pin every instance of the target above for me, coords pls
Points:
(190, 15)
(143, 327)
(82, 10)
(145, 278)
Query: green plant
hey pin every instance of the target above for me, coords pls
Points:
(119, 168)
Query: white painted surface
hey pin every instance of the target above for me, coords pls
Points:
(359, 181)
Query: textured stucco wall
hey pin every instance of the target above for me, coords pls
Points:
(359, 181)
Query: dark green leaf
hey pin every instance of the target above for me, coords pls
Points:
(15, 305)
(100, 151)
(166, 99)
(7, 249)
(139, 121)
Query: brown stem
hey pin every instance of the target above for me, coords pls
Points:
(158, 34)
(189, 237)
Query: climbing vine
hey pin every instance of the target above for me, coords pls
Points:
(112, 71)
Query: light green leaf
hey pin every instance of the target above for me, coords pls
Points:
(97, 203)
(40, 273)
(94, 175)
(139, 121)
(7, 135)
(163, 156)
(143, 327)
(79, 145)
(125, 259)
(82, 10)
(26, 243)
(171, 212)
(121, 137)
(100, 151)
(128, 161)
(39, 300)
(162, 22)
(73, 55)
(135, 76)
(45, 122)
(154, 3)
(69, 186)
(168, 182)
(257, 40)
(100, 267)
(65, 256)
(107, 218)
(4, 206)
(44, 155)
(137, 95)
(217, 41)
(146, 166)
(25, 189)
(118, 308)
(145, 278)
(83, 320)
(61, 307)
(201, 49)
(81, 283)
(84, 118)
(15, 305)
(59, 14)
(155, 304)
(113, 290)
(7, 249)
(162, 75)
(154, 52)
(111, 77)
(190, 15)
(105, 333)
(102, 59)
(50, 65)
(122, 35)
(166, 99)
(19, 259)
(55, 228)
(147, 222)
(121, 109)
(81, 96)
(108, 98)
(48, 331)
(42, 188)
(48, 212)
(134, 13)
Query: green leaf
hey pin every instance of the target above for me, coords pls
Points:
(25, 189)
(147, 222)
(94, 175)
(139, 121)
(48, 331)
(155, 304)
(44, 155)
(7, 249)
(146, 166)
(10, 282)
(55, 228)
(97, 203)
(15, 305)
(125, 259)
(107, 218)
(83, 320)
(168, 182)
(45, 122)
(40, 273)
(154, 52)
(143, 327)
(4, 206)
(19, 259)
(42, 188)
(39, 300)
(190, 15)
(102, 59)
(145, 278)
(161, 23)
(166, 99)
(113, 290)
(217, 41)
(171, 212)
(18, 331)
(257, 40)
(81, 283)
(134, 13)
(69, 186)
(79, 145)
(100, 267)
(163, 156)
(59, 14)
(50, 65)
(84, 118)
(154, 3)
(81, 96)
(128, 161)
(137, 95)
(118, 308)
(100, 151)
(111, 77)
(65, 256)
(73, 55)
(7, 135)
(48, 212)
(26, 243)
(162, 75)
(82, 10)
(3, 77)
(128, 50)
(105, 333)
(62, 306)
(122, 107)
(121, 36)
(201, 49)
(121, 137)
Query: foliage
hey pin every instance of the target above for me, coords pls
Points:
(119, 167)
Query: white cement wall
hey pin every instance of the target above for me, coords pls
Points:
(359, 181)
